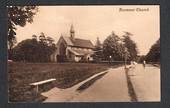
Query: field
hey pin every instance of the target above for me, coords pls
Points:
(20, 75)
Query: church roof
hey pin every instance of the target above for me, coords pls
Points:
(78, 42)
(80, 52)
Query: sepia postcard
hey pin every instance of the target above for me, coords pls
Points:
(84, 53)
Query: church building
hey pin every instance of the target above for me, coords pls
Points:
(72, 49)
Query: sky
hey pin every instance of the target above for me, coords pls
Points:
(95, 21)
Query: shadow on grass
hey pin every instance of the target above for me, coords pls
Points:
(90, 82)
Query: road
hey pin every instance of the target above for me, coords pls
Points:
(146, 83)
(113, 87)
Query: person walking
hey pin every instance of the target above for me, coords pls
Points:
(144, 63)
(132, 68)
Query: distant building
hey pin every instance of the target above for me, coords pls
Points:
(73, 49)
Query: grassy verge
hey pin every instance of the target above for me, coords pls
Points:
(20, 75)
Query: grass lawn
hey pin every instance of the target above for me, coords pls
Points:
(20, 75)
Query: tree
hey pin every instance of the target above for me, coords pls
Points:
(98, 43)
(113, 48)
(42, 38)
(98, 51)
(34, 37)
(130, 45)
(12, 39)
(18, 15)
(49, 41)
(25, 51)
(154, 53)
(31, 50)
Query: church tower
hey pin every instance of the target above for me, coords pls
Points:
(72, 32)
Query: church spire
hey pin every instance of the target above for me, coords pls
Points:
(72, 32)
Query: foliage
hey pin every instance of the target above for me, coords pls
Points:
(154, 52)
(98, 51)
(113, 49)
(31, 50)
(18, 15)
(130, 45)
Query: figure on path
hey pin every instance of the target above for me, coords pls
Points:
(144, 63)
(132, 67)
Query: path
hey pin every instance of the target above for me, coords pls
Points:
(112, 87)
(115, 86)
(146, 83)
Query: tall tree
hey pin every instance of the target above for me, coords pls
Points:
(112, 48)
(130, 45)
(18, 15)
(98, 43)
(98, 51)
(154, 52)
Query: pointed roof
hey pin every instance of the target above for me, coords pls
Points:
(78, 42)
(80, 52)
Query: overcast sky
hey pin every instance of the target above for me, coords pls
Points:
(91, 22)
